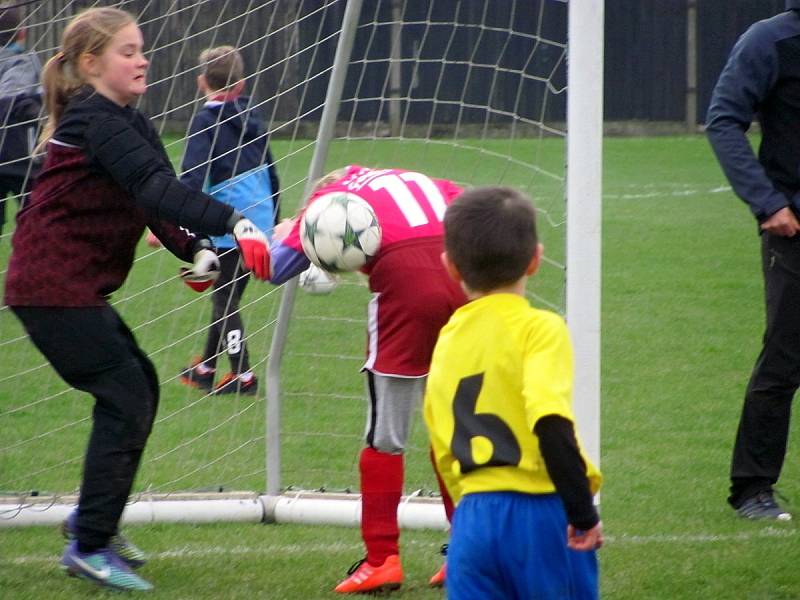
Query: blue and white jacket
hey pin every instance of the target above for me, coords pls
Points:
(227, 155)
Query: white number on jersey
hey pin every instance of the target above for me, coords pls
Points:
(397, 186)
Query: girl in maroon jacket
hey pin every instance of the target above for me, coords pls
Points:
(106, 176)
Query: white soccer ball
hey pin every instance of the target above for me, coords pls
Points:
(317, 282)
(340, 232)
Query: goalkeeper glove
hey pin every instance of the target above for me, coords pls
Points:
(204, 271)
(253, 247)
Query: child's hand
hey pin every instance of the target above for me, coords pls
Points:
(253, 247)
(152, 240)
(584, 541)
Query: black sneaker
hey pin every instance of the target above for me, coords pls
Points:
(233, 384)
(763, 506)
(189, 376)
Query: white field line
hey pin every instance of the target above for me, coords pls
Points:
(199, 551)
(703, 538)
(195, 552)
(660, 193)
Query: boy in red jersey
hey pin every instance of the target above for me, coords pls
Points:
(412, 298)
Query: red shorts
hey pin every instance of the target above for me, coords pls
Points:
(412, 298)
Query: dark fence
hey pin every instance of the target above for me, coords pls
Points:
(646, 53)
(286, 42)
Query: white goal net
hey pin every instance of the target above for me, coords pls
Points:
(471, 91)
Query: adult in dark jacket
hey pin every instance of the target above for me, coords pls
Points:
(762, 77)
(106, 175)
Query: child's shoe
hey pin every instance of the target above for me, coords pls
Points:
(118, 544)
(102, 567)
(236, 384)
(193, 377)
(439, 577)
(366, 578)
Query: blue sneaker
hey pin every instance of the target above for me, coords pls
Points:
(102, 567)
(119, 544)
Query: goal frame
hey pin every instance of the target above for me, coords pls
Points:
(583, 309)
(584, 249)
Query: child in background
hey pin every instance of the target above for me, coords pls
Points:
(498, 407)
(20, 105)
(228, 156)
(105, 177)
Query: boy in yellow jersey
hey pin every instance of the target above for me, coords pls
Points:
(498, 405)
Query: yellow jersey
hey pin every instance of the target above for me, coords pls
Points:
(499, 366)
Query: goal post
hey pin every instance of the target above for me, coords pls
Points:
(584, 210)
(315, 171)
(482, 93)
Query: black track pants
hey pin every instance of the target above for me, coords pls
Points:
(95, 352)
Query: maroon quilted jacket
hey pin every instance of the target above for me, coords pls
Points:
(105, 177)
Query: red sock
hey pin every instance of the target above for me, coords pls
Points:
(381, 487)
(446, 500)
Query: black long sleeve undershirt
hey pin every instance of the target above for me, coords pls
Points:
(567, 470)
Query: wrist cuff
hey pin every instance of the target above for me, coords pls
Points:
(235, 217)
(203, 243)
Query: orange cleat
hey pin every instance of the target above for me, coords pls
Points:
(366, 578)
(438, 579)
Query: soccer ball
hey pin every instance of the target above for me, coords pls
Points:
(339, 232)
(317, 282)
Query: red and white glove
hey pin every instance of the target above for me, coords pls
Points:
(204, 271)
(254, 248)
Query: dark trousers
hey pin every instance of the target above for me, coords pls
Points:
(227, 329)
(764, 425)
(95, 352)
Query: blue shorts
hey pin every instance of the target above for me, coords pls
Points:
(506, 545)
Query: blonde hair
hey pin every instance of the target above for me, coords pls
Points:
(89, 32)
(221, 66)
(329, 178)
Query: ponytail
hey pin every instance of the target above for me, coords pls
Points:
(59, 82)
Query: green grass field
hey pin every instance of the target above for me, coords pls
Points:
(682, 319)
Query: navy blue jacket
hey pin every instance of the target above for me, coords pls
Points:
(761, 77)
(228, 156)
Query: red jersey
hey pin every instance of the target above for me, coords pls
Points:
(412, 294)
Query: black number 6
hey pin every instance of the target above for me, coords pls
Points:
(469, 424)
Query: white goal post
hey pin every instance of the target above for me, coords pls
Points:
(584, 210)
(482, 93)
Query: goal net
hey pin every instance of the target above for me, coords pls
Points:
(471, 91)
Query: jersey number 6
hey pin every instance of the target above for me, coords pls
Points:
(469, 425)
